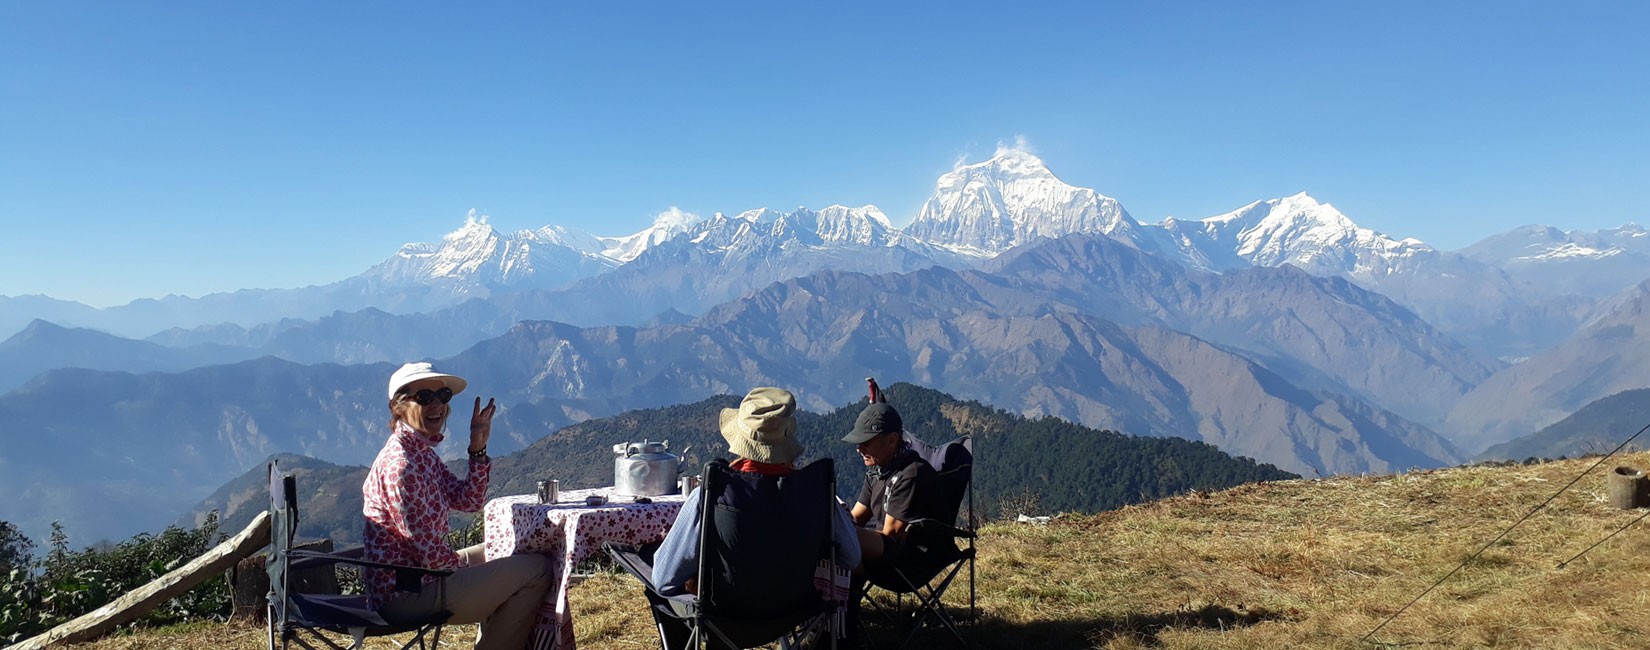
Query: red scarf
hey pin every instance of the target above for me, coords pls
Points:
(766, 469)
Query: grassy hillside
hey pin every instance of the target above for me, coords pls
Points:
(1289, 564)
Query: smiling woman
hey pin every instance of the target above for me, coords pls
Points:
(406, 497)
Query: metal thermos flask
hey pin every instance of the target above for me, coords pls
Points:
(549, 491)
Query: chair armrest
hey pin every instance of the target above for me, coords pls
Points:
(935, 527)
(355, 552)
(630, 559)
(302, 559)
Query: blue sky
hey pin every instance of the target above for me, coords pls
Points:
(192, 147)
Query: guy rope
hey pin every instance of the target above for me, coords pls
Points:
(1515, 524)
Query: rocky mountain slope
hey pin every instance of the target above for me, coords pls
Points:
(1596, 428)
(43, 346)
(1610, 355)
(977, 336)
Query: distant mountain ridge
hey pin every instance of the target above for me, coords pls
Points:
(1611, 354)
(1008, 339)
(1596, 428)
(43, 346)
(1494, 301)
(1281, 331)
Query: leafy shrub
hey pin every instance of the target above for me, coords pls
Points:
(67, 584)
(15, 547)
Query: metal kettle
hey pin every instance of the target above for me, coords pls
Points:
(646, 469)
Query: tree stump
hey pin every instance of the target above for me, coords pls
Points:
(249, 582)
(1629, 488)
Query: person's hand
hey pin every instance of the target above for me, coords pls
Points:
(481, 425)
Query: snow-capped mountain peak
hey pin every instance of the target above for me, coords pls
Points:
(666, 225)
(1298, 230)
(1528, 245)
(865, 225)
(986, 208)
(477, 258)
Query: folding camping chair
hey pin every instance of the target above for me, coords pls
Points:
(763, 538)
(293, 615)
(928, 582)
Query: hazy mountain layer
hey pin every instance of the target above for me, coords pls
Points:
(1610, 355)
(976, 335)
(1596, 428)
(43, 346)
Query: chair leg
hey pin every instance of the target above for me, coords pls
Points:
(298, 638)
(930, 605)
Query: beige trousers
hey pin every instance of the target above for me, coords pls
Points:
(503, 596)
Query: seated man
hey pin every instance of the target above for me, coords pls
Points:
(900, 487)
(761, 434)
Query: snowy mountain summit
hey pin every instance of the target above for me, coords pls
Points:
(1296, 230)
(986, 208)
(477, 259)
(976, 211)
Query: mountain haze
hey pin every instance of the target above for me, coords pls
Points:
(1610, 355)
(43, 346)
(1596, 428)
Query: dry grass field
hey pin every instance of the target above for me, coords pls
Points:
(1297, 564)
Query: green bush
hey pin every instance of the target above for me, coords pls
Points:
(67, 584)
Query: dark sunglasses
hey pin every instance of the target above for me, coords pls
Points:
(425, 396)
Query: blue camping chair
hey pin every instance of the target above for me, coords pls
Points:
(762, 541)
(943, 560)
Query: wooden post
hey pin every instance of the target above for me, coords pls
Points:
(1628, 488)
(175, 583)
(249, 582)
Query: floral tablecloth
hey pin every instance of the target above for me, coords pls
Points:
(570, 532)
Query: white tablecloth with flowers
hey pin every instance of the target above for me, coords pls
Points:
(570, 532)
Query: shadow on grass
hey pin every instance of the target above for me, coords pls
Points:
(1143, 629)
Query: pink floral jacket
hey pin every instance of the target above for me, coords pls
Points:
(406, 497)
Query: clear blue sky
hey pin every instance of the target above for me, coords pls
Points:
(191, 147)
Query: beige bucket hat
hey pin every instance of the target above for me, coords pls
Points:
(763, 428)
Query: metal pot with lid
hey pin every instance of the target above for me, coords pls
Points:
(646, 469)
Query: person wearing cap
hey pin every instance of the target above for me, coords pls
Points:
(761, 434)
(406, 497)
(900, 487)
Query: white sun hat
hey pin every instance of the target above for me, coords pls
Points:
(419, 371)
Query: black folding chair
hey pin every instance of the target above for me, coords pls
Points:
(763, 539)
(939, 566)
(299, 618)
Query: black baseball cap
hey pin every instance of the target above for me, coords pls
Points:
(874, 421)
